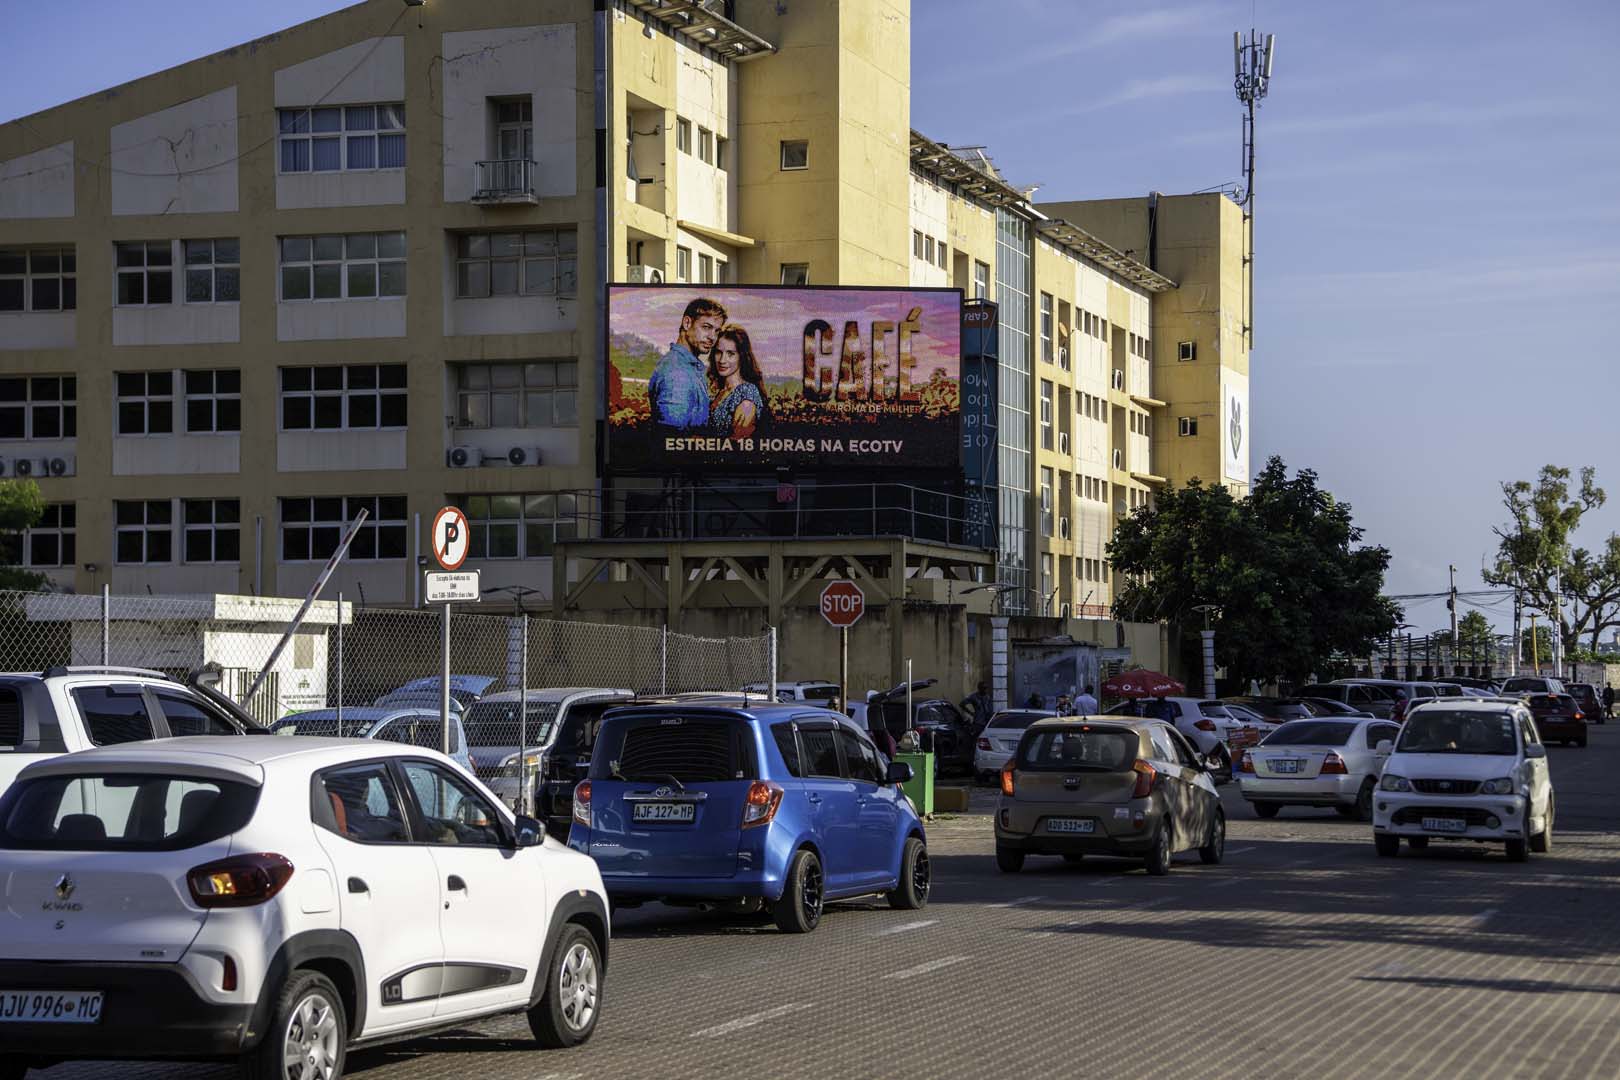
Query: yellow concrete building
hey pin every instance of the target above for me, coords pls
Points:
(360, 264)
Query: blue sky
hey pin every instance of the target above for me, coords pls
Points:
(1438, 226)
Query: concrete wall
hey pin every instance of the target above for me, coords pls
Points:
(179, 160)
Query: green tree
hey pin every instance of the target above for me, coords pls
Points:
(21, 507)
(1542, 648)
(1284, 565)
(1475, 637)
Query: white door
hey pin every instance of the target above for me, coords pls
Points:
(492, 895)
(387, 893)
(1539, 775)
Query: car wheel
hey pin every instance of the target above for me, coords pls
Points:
(1542, 842)
(1266, 809)
(1009, 860)
(912, 891)
(1214, 851)
(567, 1011)
(1581, 742)
(1418, 843)
(799, 910)
(308, 1034)
(1158, 857)
(1364, 799)
(1388, 845)
(1519, 850)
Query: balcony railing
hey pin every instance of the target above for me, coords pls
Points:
(503, 181)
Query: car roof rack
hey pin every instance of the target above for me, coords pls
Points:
(103, 669)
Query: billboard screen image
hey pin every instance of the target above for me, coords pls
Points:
(752, 377)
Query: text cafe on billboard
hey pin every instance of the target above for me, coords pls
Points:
(715, 380)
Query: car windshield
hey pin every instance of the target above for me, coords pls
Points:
(820, 693)
(1453, 731)
(1016, 721)
(122, 812)
(1103, 749)
(1311, 733)
(495, 723)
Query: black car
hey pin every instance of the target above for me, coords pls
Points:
(1333, 707)
(1559, 718)
(1281, 710)
(942, 727)
(1586, 695)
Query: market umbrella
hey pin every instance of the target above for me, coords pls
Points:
(1142, 684)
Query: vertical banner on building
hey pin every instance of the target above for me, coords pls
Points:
(1234, 427)
(981, 336)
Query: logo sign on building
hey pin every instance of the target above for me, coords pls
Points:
(980, 414)
(755, 378)
(1234, 427)
(450, 537)
(842, 603)
(458, 587)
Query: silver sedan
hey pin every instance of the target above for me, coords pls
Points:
(1326, 761)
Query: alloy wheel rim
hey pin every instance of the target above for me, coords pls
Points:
(577, 986)
(1220, 837)
(919, 875)
(812, 890)
(310, 1043)
(1164, 844)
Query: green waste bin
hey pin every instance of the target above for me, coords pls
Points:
(920, 788)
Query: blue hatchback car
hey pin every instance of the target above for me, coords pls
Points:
(747, 805)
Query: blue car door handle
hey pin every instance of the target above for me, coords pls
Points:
(813, 797)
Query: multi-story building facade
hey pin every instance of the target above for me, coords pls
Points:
(360, 264)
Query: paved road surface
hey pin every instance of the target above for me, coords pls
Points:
(1303, 955)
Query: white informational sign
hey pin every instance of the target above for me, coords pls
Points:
(460, 587)
(450, 536)
(1234, 427)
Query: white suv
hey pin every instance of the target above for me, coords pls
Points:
(1466, 770)
(276, 900)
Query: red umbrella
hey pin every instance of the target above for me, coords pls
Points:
(1142, 684)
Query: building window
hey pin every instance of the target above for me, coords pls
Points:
(145, 403)
(312, 527)
(213, 271)
(1046, 327)
(1046, 414)
(39, 407)
(145, 273)
(722, 271)
(213, 401)
(795, 154)
(537, 263)
(1186, 351)
(38, 280)
(354, 396)
(795, 273)
(940, 251)
(683, 264)
(1188, 425)
(1046, 501)
(538, 394)
(916, 243)
(520, 526)
(334, 138)
(705, 268)
(928, 250)
(514, 130)
(705, 145)
(353, 267)
(683, 134)
(722, 147)
(981, 280)
(144, 531)
(51, 541)
(213, 530)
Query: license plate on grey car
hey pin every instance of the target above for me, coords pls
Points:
(1070, 825)
(1286, 765)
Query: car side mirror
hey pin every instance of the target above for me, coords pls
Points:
(529, 832)
(1535, 750)
(899, 772)
(1385, 746)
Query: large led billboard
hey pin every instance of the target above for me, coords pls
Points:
(719, 377)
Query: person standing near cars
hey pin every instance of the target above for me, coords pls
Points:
(977, 705)
(1086, 703)
(1608, 701)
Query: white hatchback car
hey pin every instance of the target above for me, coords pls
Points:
(276, 900)
(1465, 769)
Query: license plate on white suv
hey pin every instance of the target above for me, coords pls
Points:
(663, 811)
(1445, 824)
(50, 1007)
(1070, 825)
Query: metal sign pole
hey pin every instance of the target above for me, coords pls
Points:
(525, 793)
(444, 676)
(843, 666)
(340, 665)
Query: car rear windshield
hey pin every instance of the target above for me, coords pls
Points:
(1552, 703)
(1016, 721)
(1519, 686)
(11, 722)
(1274, 709)
(1332, 691)
(324, 727)
(1310, 733)
(1453, 731)
(687, 749)
(122, 812)
(495, 723)
(820, 693)
(1104, 749)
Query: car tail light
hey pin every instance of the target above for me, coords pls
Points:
(582, 803)
(1246, 763)
(760, 805)
(1007, 778)
(240, 881)
(1579, 715)
(1333, 764)
(984, 744)
(1205, 725)
(1145, 776)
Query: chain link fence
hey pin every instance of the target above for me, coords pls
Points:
(377, 671)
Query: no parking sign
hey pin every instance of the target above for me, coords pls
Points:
(450, 537)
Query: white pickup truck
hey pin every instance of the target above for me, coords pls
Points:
(64, 709)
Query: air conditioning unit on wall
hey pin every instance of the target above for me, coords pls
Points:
(464, 457)
(65, 465)
(523, 455)
(645, 275)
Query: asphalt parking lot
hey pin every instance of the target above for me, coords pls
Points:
(1302, 955)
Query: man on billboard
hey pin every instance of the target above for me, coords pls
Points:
(679, 387)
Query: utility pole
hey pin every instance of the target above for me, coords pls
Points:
(1451, 602)
(1557, 616)
(1251, 78)
(1518, 629)
(1535, 645)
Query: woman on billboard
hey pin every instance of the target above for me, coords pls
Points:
(737, 389)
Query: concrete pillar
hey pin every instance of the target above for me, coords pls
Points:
(999, 672)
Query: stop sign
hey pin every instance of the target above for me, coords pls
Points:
(842, 603)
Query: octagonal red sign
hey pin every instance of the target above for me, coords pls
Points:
(842, 603)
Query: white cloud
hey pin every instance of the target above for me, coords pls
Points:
(1145, 89)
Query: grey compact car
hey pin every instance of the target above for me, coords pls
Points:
(1326, 761)
(1132, 788)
